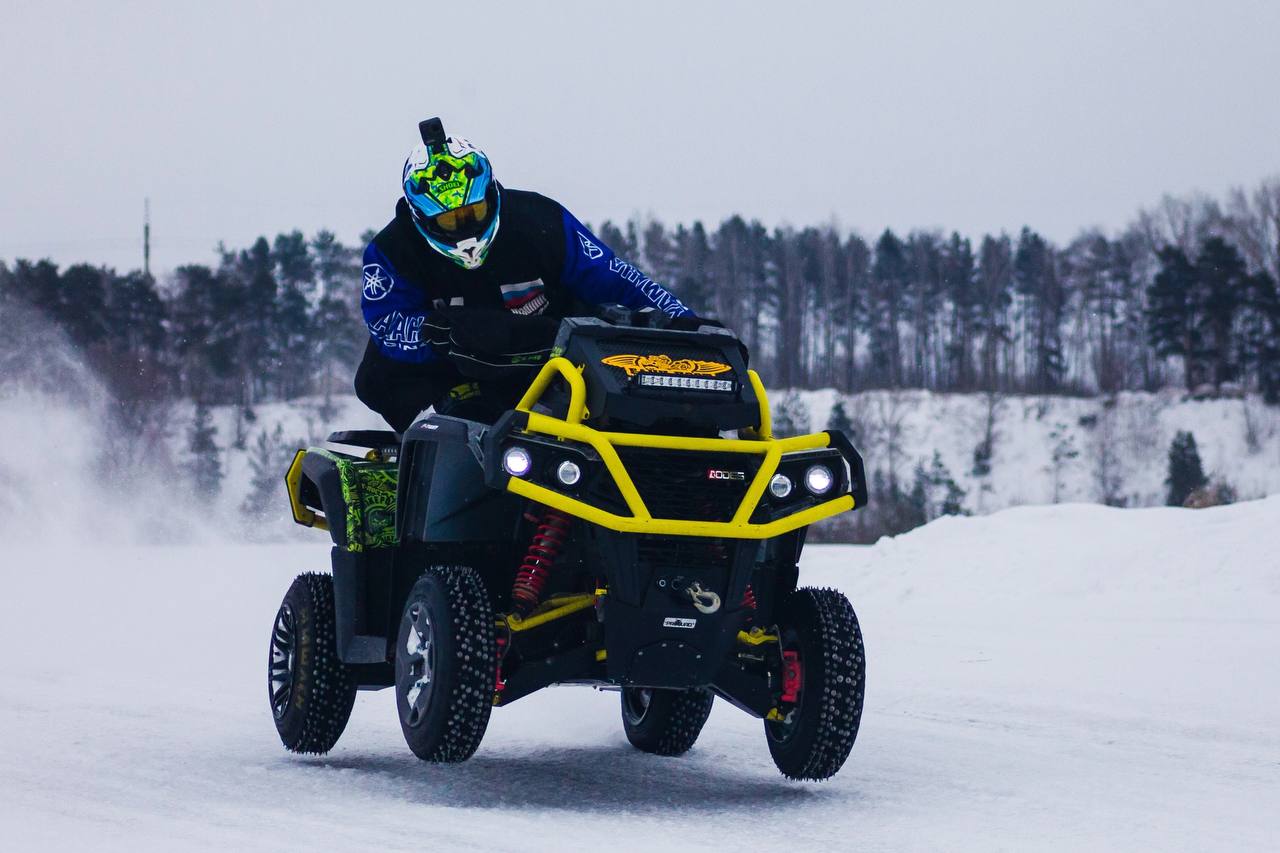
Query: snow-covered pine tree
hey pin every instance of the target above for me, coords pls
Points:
(914, 507)
(948, 495)
(839, 420)
(267, 462)
(1173, 326)
(205, 464)
(1185, 471)
(1061, 451)
(889, 277)
(1225, 284)
(1044, 303)
(296, 273)
(338, 332)
(790, 415)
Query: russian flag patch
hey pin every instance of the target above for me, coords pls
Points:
(527, 297)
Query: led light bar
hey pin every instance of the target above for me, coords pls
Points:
(694, 383)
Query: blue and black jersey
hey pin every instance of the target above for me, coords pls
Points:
(543, 261)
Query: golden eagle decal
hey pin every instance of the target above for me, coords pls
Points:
(634, 364)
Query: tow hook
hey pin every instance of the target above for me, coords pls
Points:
(705, 600)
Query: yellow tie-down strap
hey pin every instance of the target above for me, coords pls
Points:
(641, 520)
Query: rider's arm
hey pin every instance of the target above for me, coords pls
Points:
(401, 374)
(394, 310)
(594, 274)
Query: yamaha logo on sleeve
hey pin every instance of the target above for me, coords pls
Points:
(377, 283)
(591, 250)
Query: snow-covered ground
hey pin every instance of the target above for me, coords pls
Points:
(1067, 678)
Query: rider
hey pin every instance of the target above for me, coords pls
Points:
(467, 281)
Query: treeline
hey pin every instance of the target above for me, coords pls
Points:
(1186, 295)
(272, 322)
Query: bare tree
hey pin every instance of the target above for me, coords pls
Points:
(888, 422)
(1253, 223)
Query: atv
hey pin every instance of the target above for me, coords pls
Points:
(632, 524)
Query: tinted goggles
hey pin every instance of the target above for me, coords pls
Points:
(466, 218)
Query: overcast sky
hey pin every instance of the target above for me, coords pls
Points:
(244, 119)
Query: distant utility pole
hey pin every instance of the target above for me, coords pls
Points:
(146, 237)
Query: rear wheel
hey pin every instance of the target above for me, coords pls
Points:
(664, 722)
(446, 664)
(822, 647)
(310, 689)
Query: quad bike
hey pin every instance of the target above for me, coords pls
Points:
(632, 524)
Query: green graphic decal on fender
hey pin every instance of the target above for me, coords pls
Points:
(369, 492)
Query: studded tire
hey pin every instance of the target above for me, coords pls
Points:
(664, 722)
(311, 691)
(819, 625)
(446, 663)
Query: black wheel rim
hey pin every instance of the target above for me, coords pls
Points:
(635, 703)
(284, 644)
(420, 659)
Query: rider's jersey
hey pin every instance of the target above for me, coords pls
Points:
(543, 260)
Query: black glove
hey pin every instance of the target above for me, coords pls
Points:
(493, 343)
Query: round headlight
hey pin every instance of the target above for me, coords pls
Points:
(819, 479)
(780, 485)
(568, 473)
(516, 461)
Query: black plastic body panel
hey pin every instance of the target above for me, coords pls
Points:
(654, 635)
(362, 586)
(442, 496)
(857, 471)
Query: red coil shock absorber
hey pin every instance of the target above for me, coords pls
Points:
(749, 604)
(539, 560)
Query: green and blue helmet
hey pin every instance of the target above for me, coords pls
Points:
(452, 196)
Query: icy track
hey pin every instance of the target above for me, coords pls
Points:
(1057, 678)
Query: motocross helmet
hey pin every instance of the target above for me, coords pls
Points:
(452, 195)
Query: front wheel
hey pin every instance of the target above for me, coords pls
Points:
(664, 722)
(824, 671)
(446, 664)
(310, 689)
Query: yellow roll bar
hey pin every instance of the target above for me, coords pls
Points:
(571, 374)
(641, 520)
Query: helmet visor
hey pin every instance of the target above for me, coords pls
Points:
(462, 220)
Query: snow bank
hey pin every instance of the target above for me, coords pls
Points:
(1121, 442)
(63, 473)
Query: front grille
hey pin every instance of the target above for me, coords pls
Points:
(678, 484)
(666, 553)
